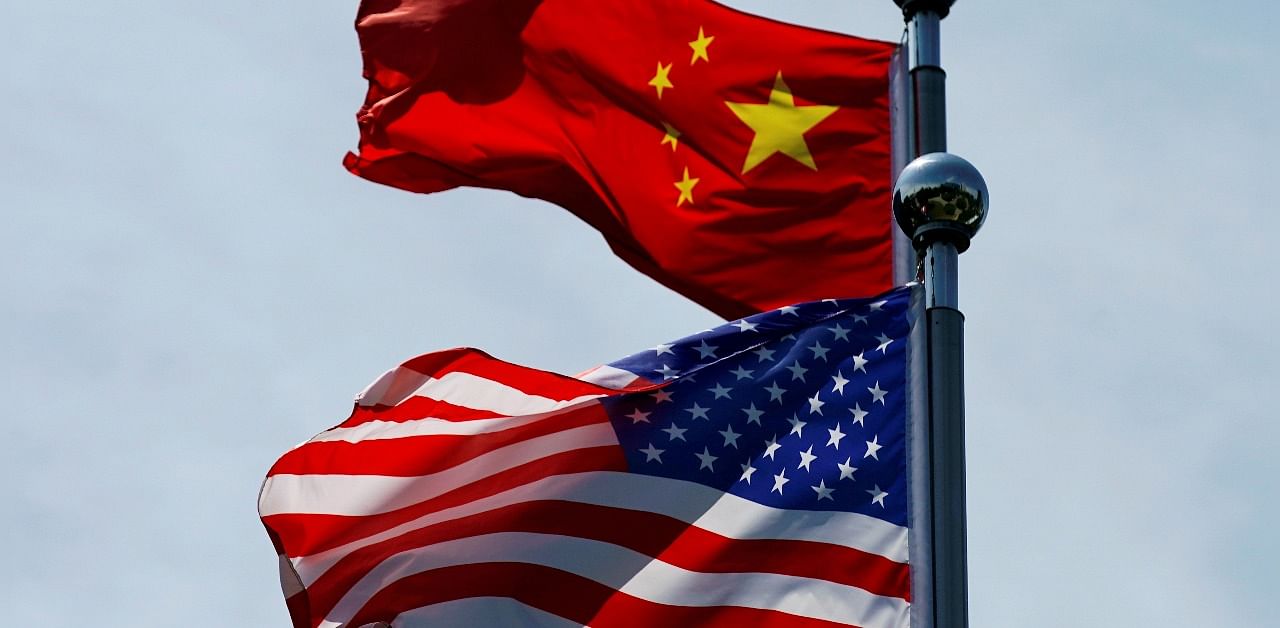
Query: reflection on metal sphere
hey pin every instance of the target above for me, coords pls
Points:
(940, 197)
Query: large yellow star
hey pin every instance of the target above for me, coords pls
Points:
(686, 188)
(672, 137)
(699, 46)
(660, 80)
(779, 126)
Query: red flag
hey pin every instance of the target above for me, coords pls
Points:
(743, 162)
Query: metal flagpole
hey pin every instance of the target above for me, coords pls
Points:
(940, 201)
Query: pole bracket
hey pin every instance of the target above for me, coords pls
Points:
(911, 7)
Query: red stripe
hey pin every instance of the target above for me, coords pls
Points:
(417, 408)
(471, 361)
(529, 380)
(670, 540)
(304, 534)
(299, 609)
(420, 455)
(561, 593)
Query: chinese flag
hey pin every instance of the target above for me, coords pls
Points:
(740, 161)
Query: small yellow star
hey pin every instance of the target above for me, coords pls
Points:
(672, 137)
(660, 80)
(699, 46)
(779, 126)
(686, 188)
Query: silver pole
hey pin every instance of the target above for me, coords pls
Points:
(940, 201)
(945, 332)
(928, 81)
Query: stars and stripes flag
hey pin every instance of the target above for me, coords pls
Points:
(754, 474)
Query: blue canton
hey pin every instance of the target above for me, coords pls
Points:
(803, 407)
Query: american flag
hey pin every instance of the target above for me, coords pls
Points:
(753, 474)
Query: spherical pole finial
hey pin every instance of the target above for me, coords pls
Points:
(940, 197)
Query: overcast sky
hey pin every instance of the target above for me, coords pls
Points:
(192, 284)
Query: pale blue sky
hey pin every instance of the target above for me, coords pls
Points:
(193, 284)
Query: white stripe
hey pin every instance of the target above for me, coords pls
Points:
(635, 574)
(391, 387)
(724, 514)
(473, 391)
(336, 494)
(609, 377)
(431, 426)
(290, 583)
(480, 611)
(460, 389)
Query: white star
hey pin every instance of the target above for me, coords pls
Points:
(747, 470)
(832, 302)
(674, 432)
(790, 336)
(873, 446)
(840, 332)
(743, 325)
(652, 453)
(660, 396)
(840, 382)
(775, 392)
(858, 414)
(697, 412)
(884, 342)
(705, 350)
(742, 373)
(667, 372)
(846, 470)
(797, 426)
(806, 457)
(771, 447)
(788, 309)
(708, 460)
(877, 495)
(730, 437)
(797, 371)
(639, 417)
(661, 349)
(859, 362)
(753, 415)
(778, 481)
(720, 391)
(764, 353)
(875, 307)
(834, 436)
(819, 351)
(815, 405)
(877, 394)
(858, 318)
(822, 491)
